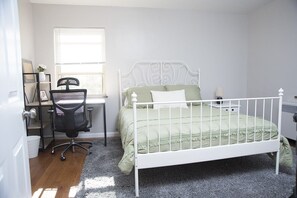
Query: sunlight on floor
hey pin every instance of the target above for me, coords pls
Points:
(91, 183)
(99, 182)
(109, 194)
(45, 193)
(72, 191)
(52, 192)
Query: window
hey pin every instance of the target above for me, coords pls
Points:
(80, 53)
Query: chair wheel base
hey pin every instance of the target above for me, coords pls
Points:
(53, 152)
(63, 158)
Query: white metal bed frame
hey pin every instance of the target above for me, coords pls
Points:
(163, 73)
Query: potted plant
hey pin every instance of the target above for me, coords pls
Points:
(41, 68)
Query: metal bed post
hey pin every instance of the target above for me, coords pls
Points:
(280, 104)
(134, 100)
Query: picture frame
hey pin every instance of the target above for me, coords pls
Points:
(43, 96)
(28, 71)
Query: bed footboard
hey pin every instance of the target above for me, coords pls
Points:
(205, 131)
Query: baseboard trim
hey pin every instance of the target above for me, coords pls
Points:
(89, 135)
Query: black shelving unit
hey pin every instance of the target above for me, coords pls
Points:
(32, 88)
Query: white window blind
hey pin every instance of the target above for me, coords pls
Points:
(80, 53)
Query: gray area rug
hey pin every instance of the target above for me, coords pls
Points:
(251, 176)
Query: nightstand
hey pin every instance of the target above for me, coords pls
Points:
(226, 107)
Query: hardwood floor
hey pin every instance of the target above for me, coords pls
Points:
(51, 177)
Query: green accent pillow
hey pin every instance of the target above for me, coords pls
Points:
(143, 94)
(192, 91)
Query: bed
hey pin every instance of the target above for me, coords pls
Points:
(183, 128)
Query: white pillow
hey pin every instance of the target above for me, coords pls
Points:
(169, 96)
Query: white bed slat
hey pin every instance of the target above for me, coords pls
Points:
(271, 113)
(159, 129)
(263, 119)
(246, 120)
(201, 125)
(170, 128)
(238, 113)
(255, 120)
(229, 120)
(210, 133)
(220, 139)
(134, 100)
(148, 129)
(180, 128)
(191, 115)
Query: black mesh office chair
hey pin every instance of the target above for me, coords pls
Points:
(69, 114)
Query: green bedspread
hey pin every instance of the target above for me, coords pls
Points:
(207, 131)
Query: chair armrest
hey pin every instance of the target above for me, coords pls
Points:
(90, 109)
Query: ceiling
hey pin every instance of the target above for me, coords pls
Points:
(237, 6)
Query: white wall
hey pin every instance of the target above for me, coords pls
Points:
(273, 55)
(273, 50)
(214, 42)
(26, 29)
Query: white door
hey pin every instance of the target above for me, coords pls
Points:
(14, 162)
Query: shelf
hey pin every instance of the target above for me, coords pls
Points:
(36, 125)
(44, 82)
(36, 104)
(28, 83)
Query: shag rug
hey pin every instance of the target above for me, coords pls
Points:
(251, 176)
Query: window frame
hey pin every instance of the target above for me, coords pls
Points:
(58, 66)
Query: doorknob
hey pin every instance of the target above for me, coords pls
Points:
(29, 114)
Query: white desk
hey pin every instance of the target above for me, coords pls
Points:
(95, 101)
(100, 102)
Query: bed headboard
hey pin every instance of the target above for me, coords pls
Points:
(157, 73)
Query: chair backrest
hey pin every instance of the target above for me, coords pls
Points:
(69, 111)
(67, 81)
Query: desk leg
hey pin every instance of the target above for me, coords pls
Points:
(104, 117)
